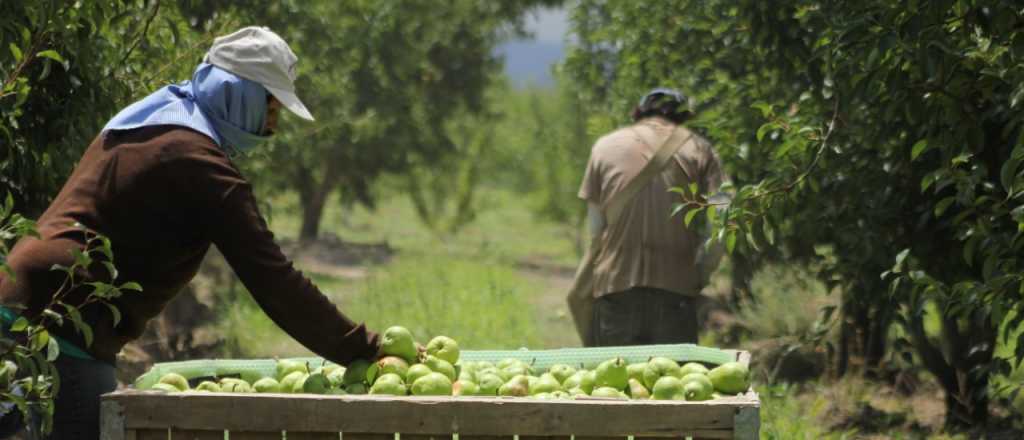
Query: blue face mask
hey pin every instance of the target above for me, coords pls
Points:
(229, 109)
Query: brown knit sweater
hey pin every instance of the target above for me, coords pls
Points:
(163, 194)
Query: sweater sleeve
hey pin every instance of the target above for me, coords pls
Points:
(235, 225)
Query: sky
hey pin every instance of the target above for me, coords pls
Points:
(529, 61)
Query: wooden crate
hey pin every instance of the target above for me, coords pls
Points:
(151, 415)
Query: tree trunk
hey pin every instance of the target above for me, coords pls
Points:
(314, 199)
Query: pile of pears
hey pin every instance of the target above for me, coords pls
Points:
(403, 369)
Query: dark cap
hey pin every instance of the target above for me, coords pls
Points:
(659, 97)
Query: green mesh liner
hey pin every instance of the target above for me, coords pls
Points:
(253, 369)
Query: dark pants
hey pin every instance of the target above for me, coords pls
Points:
(643, 316)
(76, 413)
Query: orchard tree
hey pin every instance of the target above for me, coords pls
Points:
(384, 80)
(881, 139)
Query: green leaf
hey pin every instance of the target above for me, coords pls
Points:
(115, 312)
(1008, 173)
(764, 129)
(131, 285)
(16, 52)
(39, 340)
(51, 54)
(54, 316)
(676, 209)
(712, 215)
(918, 148)
(900, 258)
(769, 232)
(19, 325)
(75, 315)
(52, 350)
(690, 215)
(730, 241)
(111, 269)
(943, 205)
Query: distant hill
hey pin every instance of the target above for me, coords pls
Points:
(530, 61)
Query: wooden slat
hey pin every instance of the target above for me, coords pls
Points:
(363, 436)
(546, 437)
(249, 435)
(427, 437)
(178, 434)
(428, 415)
(112, 421)
(290, 435)
(597, 437)
(485, 437)
(153, 434)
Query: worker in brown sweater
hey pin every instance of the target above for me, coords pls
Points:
(159, 181)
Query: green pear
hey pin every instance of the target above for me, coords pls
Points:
(398, 341)
(546, 383)
(267, 385)
(389, 384)
(175, 380)
(609, 392)
(336, 377)
(392, 365)
(561, 395)
(442, 366)
(433, 384)
(288, 382)
(482, 365)
(668, 388)
(514, 370)
(730, 378)
(692, 367)
(232, 385)
(612, 373)
(356, 372)
(489, 384)
(658, 367)
(701, 391)
(285, 367)
(299, 385)
(316, 384)
(507, 362)
(416, 371)
(356, 388)
(517, 386)
(329, 368)
(637, 390)
(465, 388)
(573, 381)
(466, 376)
(208, 386)
(542, 396)
(696, 390)
(444, 348)
(561, 372)
(165, 387)
(576, 392)
(589, 381)
(636, 371)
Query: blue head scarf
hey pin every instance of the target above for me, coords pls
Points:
(229, 109)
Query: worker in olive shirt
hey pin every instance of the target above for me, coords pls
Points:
(650, 267)
(160, 182)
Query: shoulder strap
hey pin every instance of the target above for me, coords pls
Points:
(679, 137)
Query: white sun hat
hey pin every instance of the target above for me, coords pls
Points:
(258, 54)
